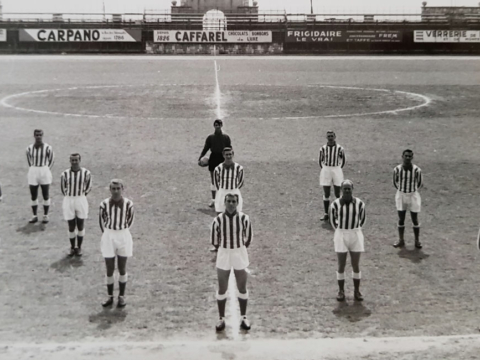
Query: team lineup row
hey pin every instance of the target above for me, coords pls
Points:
(231, 230)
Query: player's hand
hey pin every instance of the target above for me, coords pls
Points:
(199, 163)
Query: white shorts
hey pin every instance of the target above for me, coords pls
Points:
(75, 206)
(348, 240)
(236, 258)
(39, 175)
(330, 174)
(116, 242)
(220, 199)
(411, 201)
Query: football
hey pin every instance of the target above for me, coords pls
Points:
(204, 161)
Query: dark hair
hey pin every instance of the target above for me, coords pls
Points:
(116, 182)
(76, 154)
(37, 130)
(218, 121)
(227, 149)
(407, 150)
(331, 132)
(231, 195)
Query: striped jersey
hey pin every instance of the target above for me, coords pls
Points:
(228, 178)
(348, 216)
(41, 156)
(332, 156)
(407, 180)
(76, 183)
(231, 231)
(116, 216)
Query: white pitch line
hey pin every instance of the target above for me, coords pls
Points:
(254, 349)
(217, 91)
(296, 58)
(231, 317)
(426, 101)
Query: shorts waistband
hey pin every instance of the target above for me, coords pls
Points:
(37, 166)
(349, 230)
(74, 196)
(117, 231)
(405, 193)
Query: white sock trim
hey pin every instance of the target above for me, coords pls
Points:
(110, 280)
(81, 233)
(221, 297)
(46, 202)
(123, 278)
(71, 235)
(212, 187)
(357, 275)
(242, 296)
(34, 203)
(325, 198)
(340, 276)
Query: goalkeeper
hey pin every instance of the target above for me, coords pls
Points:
(215, 142)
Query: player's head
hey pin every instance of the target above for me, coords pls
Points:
(228, 154)
(347, 187)
(75, 159)
(38, 134)
(116, 187)
(407, 156)
(331, 135)
(218, 124)
(231, 202)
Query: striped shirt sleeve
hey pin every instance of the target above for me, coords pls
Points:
(362, 215)
(247, 228)
(215, 233)
(240, 177)
(216, 177)
(419, 179)
(63, 185)
(101, 216)
(88, 182)
(395, 178)
(29, 157)
(130, 214)
(333, 214)
(51, 157)
(342, 156)
(321, 157)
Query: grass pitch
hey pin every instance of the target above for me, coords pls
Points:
(148, 128)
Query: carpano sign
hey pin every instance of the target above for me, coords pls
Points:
(3, 34)
(446, 36)
(80, 35)
(233, 36)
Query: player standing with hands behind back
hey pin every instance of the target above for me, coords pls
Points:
(331, 161)
(215, 142)
(116, 217)
(75, 184)
(40, 159)
(407, 179)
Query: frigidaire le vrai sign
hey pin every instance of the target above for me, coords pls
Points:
(212, 36)
(335, 35)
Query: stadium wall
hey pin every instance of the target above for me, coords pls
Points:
(399, 38)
